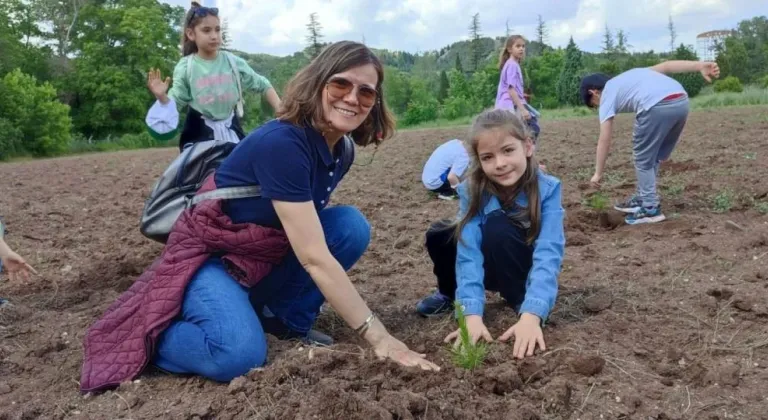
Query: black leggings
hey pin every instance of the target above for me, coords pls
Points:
(507, 257)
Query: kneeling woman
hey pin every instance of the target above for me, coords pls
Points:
(510, 235)
(237, 269)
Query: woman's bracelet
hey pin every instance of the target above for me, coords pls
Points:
(368, 322)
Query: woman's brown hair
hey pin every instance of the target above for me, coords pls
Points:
(504, 55)
(303, 99)
(480, 186)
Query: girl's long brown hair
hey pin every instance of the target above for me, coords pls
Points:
(504, 55)
(187, 45)
(303, 99)
(481, 187)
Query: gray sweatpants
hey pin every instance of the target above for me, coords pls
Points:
(656, 133)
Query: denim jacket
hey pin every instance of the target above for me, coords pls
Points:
(548, 251)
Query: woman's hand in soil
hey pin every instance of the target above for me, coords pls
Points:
(157, 85)
(527, 334)
(16, 266)
(476, 329)
(391, 348)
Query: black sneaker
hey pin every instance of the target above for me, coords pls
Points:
(273, 325)
(434, 304)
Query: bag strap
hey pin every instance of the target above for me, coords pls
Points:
(189, 72)
(236, 73)
(229, 193)
(349, 149)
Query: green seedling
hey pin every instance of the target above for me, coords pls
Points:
(598, 201)
(467, 355)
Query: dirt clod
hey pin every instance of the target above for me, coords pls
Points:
(587, 365)
(597, 303)
(237, 385)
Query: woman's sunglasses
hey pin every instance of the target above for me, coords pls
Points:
(339, 87)
(202, 12)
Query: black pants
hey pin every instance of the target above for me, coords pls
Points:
(507, 257)
(195, 129)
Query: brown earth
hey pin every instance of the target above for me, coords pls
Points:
(664, 321)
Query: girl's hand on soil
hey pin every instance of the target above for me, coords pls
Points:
(157, 85)
(595, 181)
(394, 349)
(16, 266)
(476, 330)
(526, 115)
(527, 334)
(709, 70)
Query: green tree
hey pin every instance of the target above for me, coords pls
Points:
(476, 46)
(570, 76)
(120, 41)
(423, 105)
(542, 74)
(692, 82)
(226, 40)
(31, 118)
(542, 32)
(397, 89)
(733, 59)
(608, 44)
(314, 35)
(442, 92)
(622, 42)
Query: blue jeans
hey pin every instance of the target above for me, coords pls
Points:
(218, 334)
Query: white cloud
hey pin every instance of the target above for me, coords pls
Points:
(416, 25)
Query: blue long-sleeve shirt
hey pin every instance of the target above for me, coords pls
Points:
(548, 251)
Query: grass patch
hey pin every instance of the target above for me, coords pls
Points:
(761, 207)
(467, 355)
(752, 95)
(674, 190)
(722, 202)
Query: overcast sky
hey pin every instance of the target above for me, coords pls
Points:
(278, 27)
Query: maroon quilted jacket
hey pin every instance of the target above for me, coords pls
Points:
(120, 345)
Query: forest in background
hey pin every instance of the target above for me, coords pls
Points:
(73, 74)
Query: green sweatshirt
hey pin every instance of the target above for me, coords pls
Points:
(211, 88)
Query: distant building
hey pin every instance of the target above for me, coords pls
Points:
(707, 41)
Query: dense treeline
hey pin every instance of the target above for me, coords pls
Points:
(73, 71)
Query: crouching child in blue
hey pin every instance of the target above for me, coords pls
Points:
(508, 238)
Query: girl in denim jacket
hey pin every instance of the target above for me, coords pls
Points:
(508, 238)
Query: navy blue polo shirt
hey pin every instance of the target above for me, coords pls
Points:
(289, 162)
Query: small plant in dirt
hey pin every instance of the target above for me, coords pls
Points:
(598, 202)
(722, 202)
(761, 207)
(674, 190)
(467, 355)
(750, 156)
